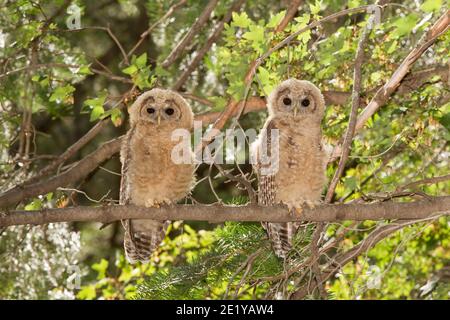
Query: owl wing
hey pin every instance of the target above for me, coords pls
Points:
(280, 234)
(142, 236)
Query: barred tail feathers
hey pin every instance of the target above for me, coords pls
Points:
(142, 238)
(281, 236)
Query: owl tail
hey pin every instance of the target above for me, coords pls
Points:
(281, 236)
(142, 238)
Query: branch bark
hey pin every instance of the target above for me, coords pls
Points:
(218, 213)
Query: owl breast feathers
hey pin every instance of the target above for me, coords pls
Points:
(297, 177)
(150, 176)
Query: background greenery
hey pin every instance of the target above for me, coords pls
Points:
(57, 83)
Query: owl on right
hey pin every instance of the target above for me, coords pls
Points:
(298, 161)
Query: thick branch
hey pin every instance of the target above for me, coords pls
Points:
(218, 213)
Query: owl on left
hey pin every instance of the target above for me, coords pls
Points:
(150, 177)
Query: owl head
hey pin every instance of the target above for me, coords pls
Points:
(298, 99)
(162, 108)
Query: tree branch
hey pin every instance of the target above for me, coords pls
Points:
(169, 12)
(290, 13)
(237, 4)
(218, 213)
(195, 28)
(77, 172)
(383, 94)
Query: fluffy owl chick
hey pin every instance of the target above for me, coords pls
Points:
(297, 177)
(150, 177)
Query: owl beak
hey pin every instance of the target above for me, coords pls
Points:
(295, 111)
(159, 119)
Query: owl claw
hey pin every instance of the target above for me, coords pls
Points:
(311, 204)
(298, 211)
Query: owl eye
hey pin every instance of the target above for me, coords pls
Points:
(287, 101)
(150, 110)
(305, 102)
(169, 111)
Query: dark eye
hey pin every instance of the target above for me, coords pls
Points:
(169, 111)
(150, 110)
(287, 101)
(305, 102)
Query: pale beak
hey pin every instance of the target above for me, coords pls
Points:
(295, 111)
(159, 119)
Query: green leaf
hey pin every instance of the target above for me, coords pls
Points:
(445, 121)
(241, 20)
(219, 103)
(101, 268)
(431, 5)
(62, 93)
(350, 183)
(354, 3)
(130, 70)
(36, 204)
(256, 36)
(392, 47)
(84, 70)
(87, 293)
(116, 116)
(315, 8)
(264, 78)
(96, 113)
(96, 105)
(141, 61)
(375, 76)
(404, 25)
(276, 19)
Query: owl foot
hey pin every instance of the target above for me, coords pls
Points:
(299, 207)
(298, 212)
(311, 204)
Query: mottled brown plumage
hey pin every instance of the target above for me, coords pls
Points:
(150, 177)
(296, 109)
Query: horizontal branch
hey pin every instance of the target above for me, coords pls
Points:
(219, 213)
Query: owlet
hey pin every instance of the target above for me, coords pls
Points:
(150, 176)
(298, 163)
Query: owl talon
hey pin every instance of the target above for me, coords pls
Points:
(298, 211)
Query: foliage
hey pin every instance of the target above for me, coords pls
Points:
(55, 84)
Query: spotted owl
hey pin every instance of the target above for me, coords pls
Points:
(150, 177)
(296, 108)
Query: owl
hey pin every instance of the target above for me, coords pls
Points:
(296, 108)
(150, 177)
